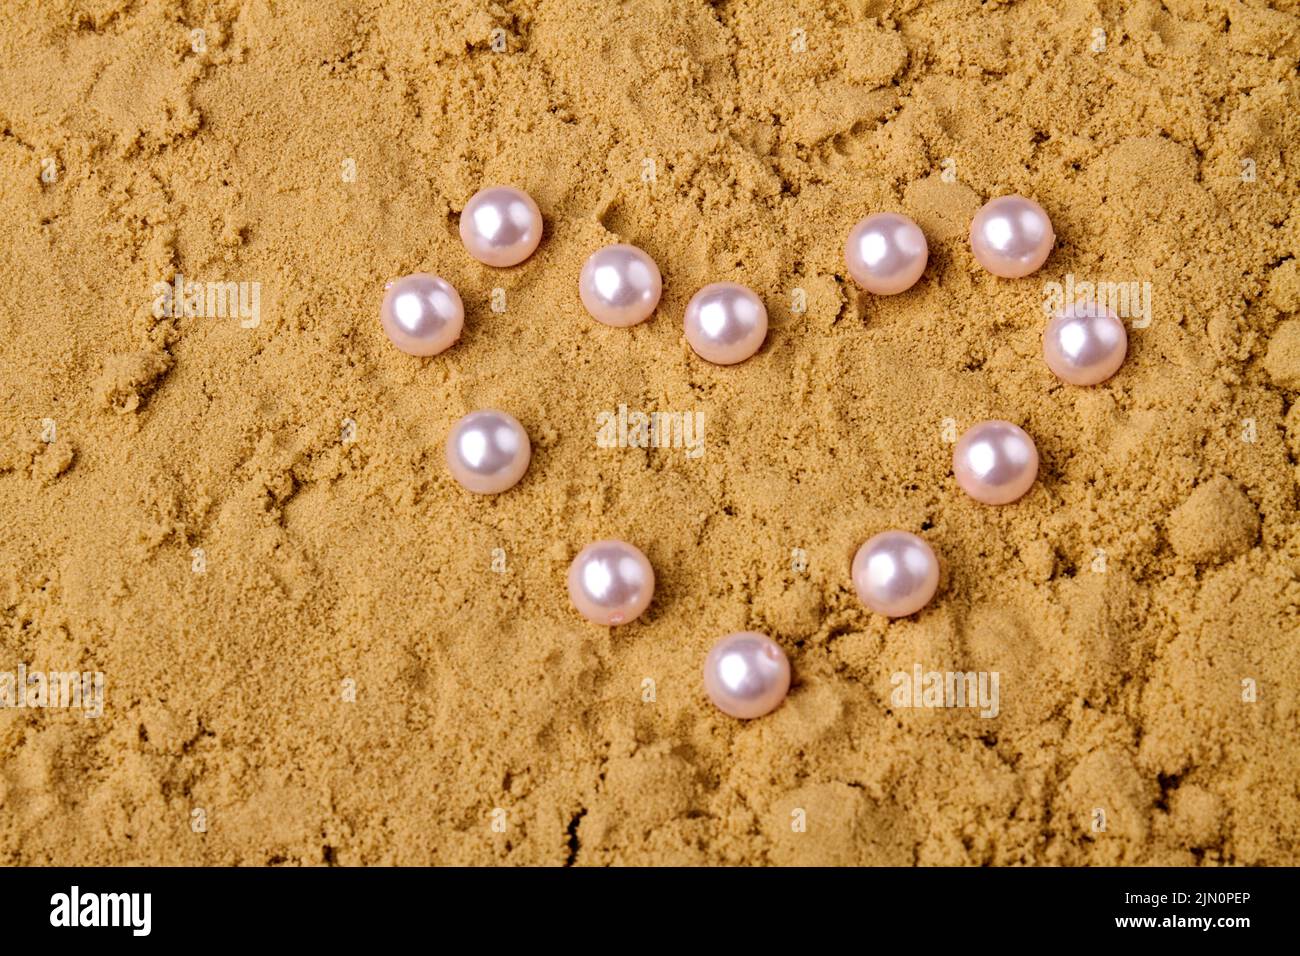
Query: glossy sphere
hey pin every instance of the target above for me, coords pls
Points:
(611, 582)
(886, 253)
(895, 573)
(422, 314)
(501, 226)
(726, 323)
(1011, 236)
(995, 462)
(1085, 344)
(620, 285)
(746, 675)
(488, 451)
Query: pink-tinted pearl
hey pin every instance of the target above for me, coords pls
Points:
(746, 675)
(895, 573)
(886, 253)
(422, 314)
(1085, 344)
(488, 451)
(995, 462)
(611, 582)
(726, 323)
(1011, 236)
(620, 285)
(501, 226)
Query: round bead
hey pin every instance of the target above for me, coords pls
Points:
(1011, 236)
(726, 323)
(501, 226)
(620, 285)
(995, 462)
(611, 582)
(886, 253)
(422, 314)
(488, 451)
(1085, 344)
(746, 675)
(895, 573)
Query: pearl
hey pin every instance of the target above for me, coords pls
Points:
(1085, 344)
(611, 582)
(746, 675)
(1011, 236)
(422, 314)
(895, 573)
(501, 226)
(886, 253)
(488, 451)
(620, 285)
(995, 462)
(725, 323)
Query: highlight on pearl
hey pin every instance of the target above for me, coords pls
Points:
(1085, 344)
(1011, 236)
(611, 582)
(620, 285)
(746, 675)
(895, 573)
(995, 462)
(422, 314)
(886, 253)
(488, 451)
(501, 226)
(726, 323)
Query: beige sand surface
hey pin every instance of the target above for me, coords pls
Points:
(309, 656)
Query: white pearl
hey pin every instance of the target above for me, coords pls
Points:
(886, 253)
(746, 675)
(995, 462)
(726, 323)
(620, 285)
(501, 226)
(1011, 236)
(422, 314)
(895, 573)
(1085, 344)
(488, 451)
(611, 582)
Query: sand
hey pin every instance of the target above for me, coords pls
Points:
(317, 649)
